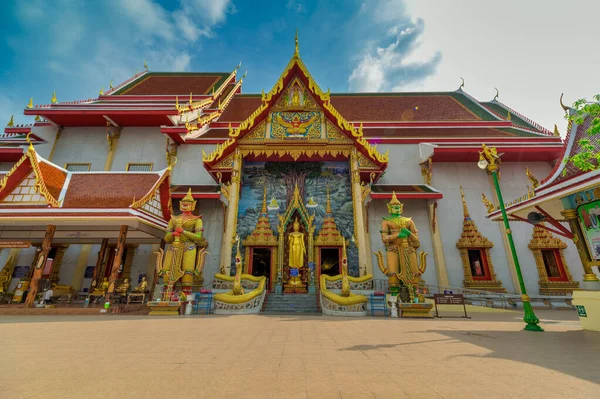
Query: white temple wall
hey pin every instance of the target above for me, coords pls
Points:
(68, 265)
(403, 166)
(190, 169)
(143, 258)
(140, 145)
(47, 133)
(25, 258)
(82, 145)
(447, 178)
(213, 221)
(91, 261)
(415, 209)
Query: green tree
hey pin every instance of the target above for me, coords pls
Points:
(293, 173)
(588, 157)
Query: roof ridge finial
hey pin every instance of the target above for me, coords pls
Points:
(29, 141)
(462, 84)
(556, 132)
(296, 50)
(30, 104)
(11, 121)
(497, 94)
(566, 108)
(465, 209)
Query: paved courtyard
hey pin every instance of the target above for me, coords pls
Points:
(297, 357)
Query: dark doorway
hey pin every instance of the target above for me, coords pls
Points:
(261, 262)
(330, 261)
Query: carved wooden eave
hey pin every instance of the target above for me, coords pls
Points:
(338, 142)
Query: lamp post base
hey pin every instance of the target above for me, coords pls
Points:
(530, 318)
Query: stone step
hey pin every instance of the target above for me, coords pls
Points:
(291, 303)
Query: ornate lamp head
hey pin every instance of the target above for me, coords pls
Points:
(395, 207)
(187, 204)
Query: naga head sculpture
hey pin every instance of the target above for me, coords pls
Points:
(187, 204)
(395, 207)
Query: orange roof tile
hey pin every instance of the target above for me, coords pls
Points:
(54, 178)
(108, 190)
(169, 84)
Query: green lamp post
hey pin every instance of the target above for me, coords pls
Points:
(490, 161)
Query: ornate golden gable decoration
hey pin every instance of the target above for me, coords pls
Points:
(329, 235)
(136, 204)
(543, 239)
(342, 123)
(334, 134)
(471, 239)
(258, 133)
(262, 235)
(226, 163)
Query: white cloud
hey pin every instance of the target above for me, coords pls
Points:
(148, 17)
(296, 6)
(389, 67)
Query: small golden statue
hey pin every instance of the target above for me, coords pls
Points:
(401, 239)
(123, 287)
(102, 288)
(311, 202)
(183, 260)
(297, 247)
(4, 278)
(488, 204)
(141, 288)
(273, 203)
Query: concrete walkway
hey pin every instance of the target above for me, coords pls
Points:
(289, 357)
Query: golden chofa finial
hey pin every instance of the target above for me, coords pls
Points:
(30, 105)
(29, 140)
(101, 92)
(488, 204)
(556, 132)
(296, 49)
(462, 84)
(53, 97)
(563, 106)
(497, 94)
(11, 121)
(532, 179)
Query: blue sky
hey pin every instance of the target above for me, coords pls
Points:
(77, 47)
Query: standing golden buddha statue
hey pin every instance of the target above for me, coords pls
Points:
(401, 239)
(183, 259)
(297, 251)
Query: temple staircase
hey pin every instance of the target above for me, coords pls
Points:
(291, 303)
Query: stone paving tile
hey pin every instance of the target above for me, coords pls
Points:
(296, 357)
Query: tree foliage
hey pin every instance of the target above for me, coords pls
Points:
(588, 157)
(293, 173)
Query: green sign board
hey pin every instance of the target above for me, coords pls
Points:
(589, 217)
(581, 311)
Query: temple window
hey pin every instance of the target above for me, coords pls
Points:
(78, 167)
(475, 255)
(555, 278)
(139, 167)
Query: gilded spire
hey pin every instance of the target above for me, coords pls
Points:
(263, 210)
(11, 121)
(328, 207)
(556, 132)
(30, 105)
(296, 50)
(101, 92)
(465, 209)
(53, 97)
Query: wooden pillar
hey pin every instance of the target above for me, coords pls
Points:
(232, 208)
(98, 269)
(39, 266)
(438, 248)
(579, 239)
(113, 139)
(129, 261)
(82, 261)
(359, 224)
(114, 271)
(509, 257)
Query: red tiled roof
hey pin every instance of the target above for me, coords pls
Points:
(435, 132)
(572, 170)
(400, 108)
(53, 178)
(108, 190)
(240, 108)
(154, 85)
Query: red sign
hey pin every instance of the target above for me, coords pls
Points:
(14, 244)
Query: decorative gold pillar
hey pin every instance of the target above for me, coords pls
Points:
(82, 260)
(57, 262)
(114, 271)
(438, 248)
(113, 139)
(39, 266)
(58, 134)
(232, 209)
(10, 264)
(505, 243)
(579, 239)
(359, 224)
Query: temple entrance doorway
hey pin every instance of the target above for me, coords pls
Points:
(261, 262)
(330, 261)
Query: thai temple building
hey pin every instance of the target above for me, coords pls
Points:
(182, 180)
